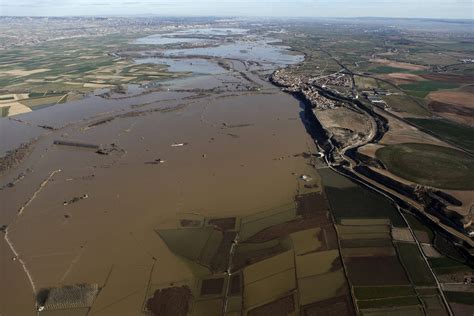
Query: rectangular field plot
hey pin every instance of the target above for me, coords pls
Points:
(212, 287)
(414, 264)
(395, 311)
(359, 203)
(251, 225)
(269, 279)
(365, 221)
(311, 204)
(307, 240)
(264, 290)
(283, 306)
(248, 253)
(356, 243)
(344, 229)
(368, 251)
(269, 267)
(376, 271)
(373, 232)
(208, 307)
(402, 234)
(389, 302)
(340, 306)
(317, 263)
(321, 287)
(375, 292)
(365, 236)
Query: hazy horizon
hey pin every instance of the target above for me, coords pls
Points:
(448, 9)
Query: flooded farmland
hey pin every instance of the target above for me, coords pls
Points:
(160, 192)
(214, 166)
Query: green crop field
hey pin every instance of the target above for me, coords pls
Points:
(414, 264)
(423, 88)
(389, 302)
(431, 165)
(458, 134)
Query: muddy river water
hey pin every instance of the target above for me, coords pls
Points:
(217, 144)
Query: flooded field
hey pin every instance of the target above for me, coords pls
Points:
(140, 195)
(144, 184)
(196, 65)
(200, 35)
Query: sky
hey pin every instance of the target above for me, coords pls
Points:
(458, 9)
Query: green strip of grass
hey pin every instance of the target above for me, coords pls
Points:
(421, 89)
(428, 86)
(389, 302)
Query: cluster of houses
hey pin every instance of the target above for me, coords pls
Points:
(339, 80)
(305, 85)
(291, 82)
(319, 101)
(298, 83)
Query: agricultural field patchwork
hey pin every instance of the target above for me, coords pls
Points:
(286, 258)
(56, 72)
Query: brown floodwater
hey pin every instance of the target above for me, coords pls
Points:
(240, 154)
